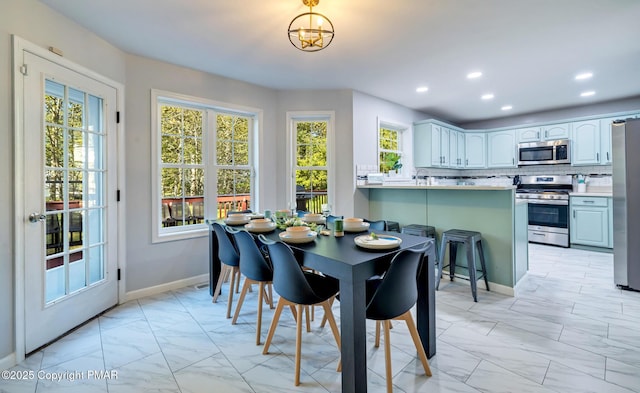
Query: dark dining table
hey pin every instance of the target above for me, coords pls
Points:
(341, 258)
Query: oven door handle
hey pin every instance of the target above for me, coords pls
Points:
(549, 202)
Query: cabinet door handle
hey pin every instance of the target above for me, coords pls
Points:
(538, 234)
(546, 134)
(574, 214)
(513, 161)
(589, 201)
(607, 156)
(598, 157)
(467, 162)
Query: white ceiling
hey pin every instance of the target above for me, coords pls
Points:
(528, 50)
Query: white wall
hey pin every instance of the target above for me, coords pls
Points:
(339, 101)
(154, 264)
(37, 23)
(366, 111)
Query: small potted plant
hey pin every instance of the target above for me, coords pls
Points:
(392, 163)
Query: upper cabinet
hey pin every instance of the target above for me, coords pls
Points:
(585, 142)
(531, 134)
(501, 147)
(456, 149)
(475, 148)
(430, 145)
(555, 131)
(605, 140)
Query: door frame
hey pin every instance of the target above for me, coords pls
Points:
(20, 46)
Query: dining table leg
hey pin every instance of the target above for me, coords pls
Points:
(353, 334)
(426, 304)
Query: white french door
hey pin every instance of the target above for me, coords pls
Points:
(70, 210)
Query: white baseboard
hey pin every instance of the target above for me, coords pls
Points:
(156, 289)
(493, 287)
(8, 361)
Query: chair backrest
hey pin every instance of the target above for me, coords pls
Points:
(289, 280)
(226, 250)
(398, 291)
(331, 219)
(253, 265)
(380, 225)
(247, 211)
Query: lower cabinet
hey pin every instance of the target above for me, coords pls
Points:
(591, 221)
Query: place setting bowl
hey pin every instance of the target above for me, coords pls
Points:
(355, 224)
(298, 234)
(313, 218)
(260, 225)
(237, 219)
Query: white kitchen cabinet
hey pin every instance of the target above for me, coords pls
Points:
(501, 149)
(605, 140)
(585, 142)
(475, 150)
(590, 221)
(531, 134)
(430, 145)
(555, 131)
(456, 149)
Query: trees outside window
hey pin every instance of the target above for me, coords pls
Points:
(389, 148)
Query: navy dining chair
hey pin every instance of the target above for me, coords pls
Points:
(230, 260)
(299, 289)
(257, 270)
(391, 297)
(379, 225)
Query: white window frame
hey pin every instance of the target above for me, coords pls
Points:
(211, 108)
(400, 129)
(297, 116)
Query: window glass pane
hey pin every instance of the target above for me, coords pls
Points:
(224, 128)
(193, 123)
(76, 108)
(170, 120)
(76, 149)
(95, 230)
(171, 182)
(171, 149)
(241, 153)
(193, 151)
(54, 146)
(224, 153)
(95, 120)
(94, 151)
(241, 130)
(94, 189)
(194, 182)
(96, 265)
(54, 94)
(76, 188)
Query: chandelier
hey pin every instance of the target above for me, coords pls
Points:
(314, 31)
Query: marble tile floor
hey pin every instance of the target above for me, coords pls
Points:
(569, 329)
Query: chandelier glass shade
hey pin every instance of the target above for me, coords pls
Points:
(310, 31)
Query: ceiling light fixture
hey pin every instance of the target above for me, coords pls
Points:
(487, 96)
(474, 75)
(584, 75)
(587, 93)
(422, 89)
(506, 107)
(317, 32)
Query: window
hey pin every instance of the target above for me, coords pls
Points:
(389, 147)
(311, 136)
(204, 161)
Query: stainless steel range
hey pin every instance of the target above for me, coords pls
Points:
(548, 205)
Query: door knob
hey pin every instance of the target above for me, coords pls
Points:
(35, 217)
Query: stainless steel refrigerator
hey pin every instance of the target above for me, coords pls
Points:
(625, 138)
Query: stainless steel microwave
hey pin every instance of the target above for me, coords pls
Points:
(547, 152)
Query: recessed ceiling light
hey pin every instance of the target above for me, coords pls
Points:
(487, 96)
(584, 75)
(506, 107)
(474, 75)
(587, 93)
(422, 89)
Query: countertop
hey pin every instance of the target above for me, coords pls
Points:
(442, 187)
(591, 194)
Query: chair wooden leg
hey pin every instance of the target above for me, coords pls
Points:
(306, 312)
(259, 320)
(387, 357)
(324, 317)
(274, 324)
(334, 328)
(233, 279)
(408, 318)
(237, 271)
(245, 287)
(377, 344)
(216, 292)
(271, 296)
(298, 343)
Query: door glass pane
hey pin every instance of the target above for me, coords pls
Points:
(74, 180)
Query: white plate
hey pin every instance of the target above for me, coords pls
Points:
(262, 229)
(243, 221)
(383, 242)
(285, 237)
(357, 228)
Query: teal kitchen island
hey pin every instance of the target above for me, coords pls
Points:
(491, 210)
